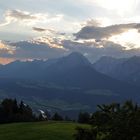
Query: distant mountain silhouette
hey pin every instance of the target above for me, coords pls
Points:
(72, 70)
(71, 79)
(127, 69)
(1, 65)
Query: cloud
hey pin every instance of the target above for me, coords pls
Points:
(95, 50)
(129, 39)
(17, 15)
(37, 29)
(38, 48)
(6, 60)
(28, 18)
(120, 7)
(6, 49)
(47, 48)
(95, 32)
(21, 15)
(93, 22)
(50, 42)
(49, 36)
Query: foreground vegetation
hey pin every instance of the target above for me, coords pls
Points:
(39, 131)
(11, 111)
(112, 122)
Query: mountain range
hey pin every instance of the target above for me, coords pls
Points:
(69, 83)
(125, 69)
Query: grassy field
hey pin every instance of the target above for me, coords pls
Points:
(38, 131)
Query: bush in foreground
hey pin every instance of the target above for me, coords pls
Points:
(113, 122)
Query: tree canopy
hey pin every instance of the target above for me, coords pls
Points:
(113, 122)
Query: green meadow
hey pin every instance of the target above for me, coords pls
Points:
(39, 131)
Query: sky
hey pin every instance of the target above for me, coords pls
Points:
(44, 29)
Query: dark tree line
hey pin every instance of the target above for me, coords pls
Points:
(11, 111)
(113, 122)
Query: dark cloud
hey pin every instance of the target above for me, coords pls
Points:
(95, 50)
(94, 32)
(51, 31)
(92, 50)
(35, 50)
(37, 29)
